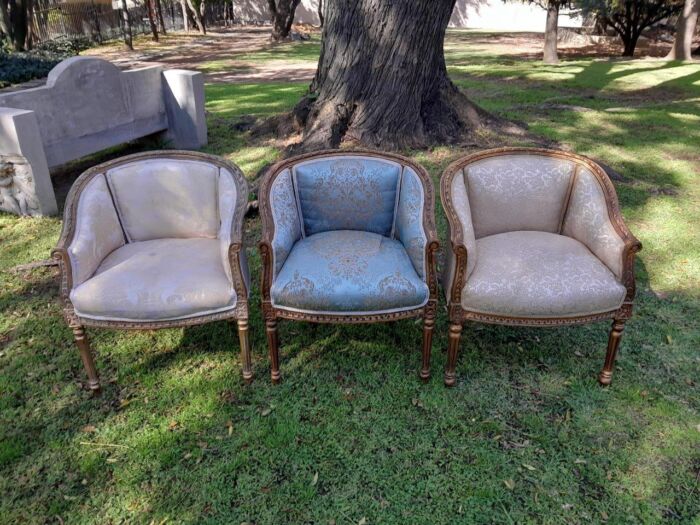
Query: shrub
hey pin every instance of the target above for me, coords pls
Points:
(16, 67)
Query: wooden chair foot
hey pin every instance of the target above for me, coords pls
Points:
(271, 329)
(428, 328)
(452, 351)
(246, 362)
(605, 376)
(83, 345)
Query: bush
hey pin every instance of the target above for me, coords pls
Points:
(16, 67)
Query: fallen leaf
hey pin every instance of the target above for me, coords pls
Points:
(266, 412)
(509, 483)
(567, 506)
(89, 428)
(112, 460)
(580, 461)
(187, 455)
(124, 403)
(669, 339)
(578, 354)
(172, 425)
(230, 428)
(417, 402)
(363, 521)
(604, 515)
(529, 467)
(315, 480)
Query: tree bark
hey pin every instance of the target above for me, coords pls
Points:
(381, 78)
(152, 19)
(685, 30)
(550, 33)
(282, 15)
(128, 36)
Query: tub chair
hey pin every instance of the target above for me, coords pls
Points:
(536, 239)
(348, 237)
(154, 240)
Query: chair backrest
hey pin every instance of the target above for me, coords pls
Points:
(347, 192)
(519, 190)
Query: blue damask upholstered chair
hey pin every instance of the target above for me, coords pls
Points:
(348, 237)
(154, 240)
(536, 239)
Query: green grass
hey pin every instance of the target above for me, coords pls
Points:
(527, 436)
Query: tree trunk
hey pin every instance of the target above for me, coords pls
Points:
(128, 37)
(19, 23)
(685, 30)
(152, 19)
(197, 17)
(630, 43)
(159, 13)
(550, 33)
(381, 78)
(320, 13)
(185, 16)
(282, 15)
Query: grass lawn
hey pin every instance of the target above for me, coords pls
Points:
(351, 436)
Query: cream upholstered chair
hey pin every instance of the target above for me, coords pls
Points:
(536, 239)
(154, 240)
(348, 237)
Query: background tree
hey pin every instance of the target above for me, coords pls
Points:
(320, 13)
(126, 26)
(15, 18)
(381, 78)
(629, 18)
(282, 15)
(551, 29)
(685, 30)
(159, 12)
(152, 19)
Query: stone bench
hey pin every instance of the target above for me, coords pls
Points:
(86, 106)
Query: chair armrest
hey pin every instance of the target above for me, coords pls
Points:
(91, 230)
(233, 202)
(461, 251)
(413, 225)
(593, 218)
(281, 222)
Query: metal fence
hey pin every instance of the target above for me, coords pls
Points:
(99, 22)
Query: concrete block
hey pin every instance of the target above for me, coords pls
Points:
(184, 102)
(25, 183)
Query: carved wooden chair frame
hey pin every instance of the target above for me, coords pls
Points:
(458, 315)
(60, 253)
(271, 313)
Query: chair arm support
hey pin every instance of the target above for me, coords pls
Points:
(461, 250)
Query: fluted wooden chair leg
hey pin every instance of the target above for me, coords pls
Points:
(246, 363)
(83, 345)
(428, 328)
(271, 329)
(452, 351)
(618, 326)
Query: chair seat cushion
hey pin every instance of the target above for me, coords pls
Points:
(157, 280)
(540, 275)
(347, 271)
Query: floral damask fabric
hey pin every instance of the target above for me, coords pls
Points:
(347, 193)
(166, 198)
(539, 274)
(157, 280)
(588, 221)
(409, 220)
(517, 192)
(283, 205)
(97, 231)
(347, 271)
